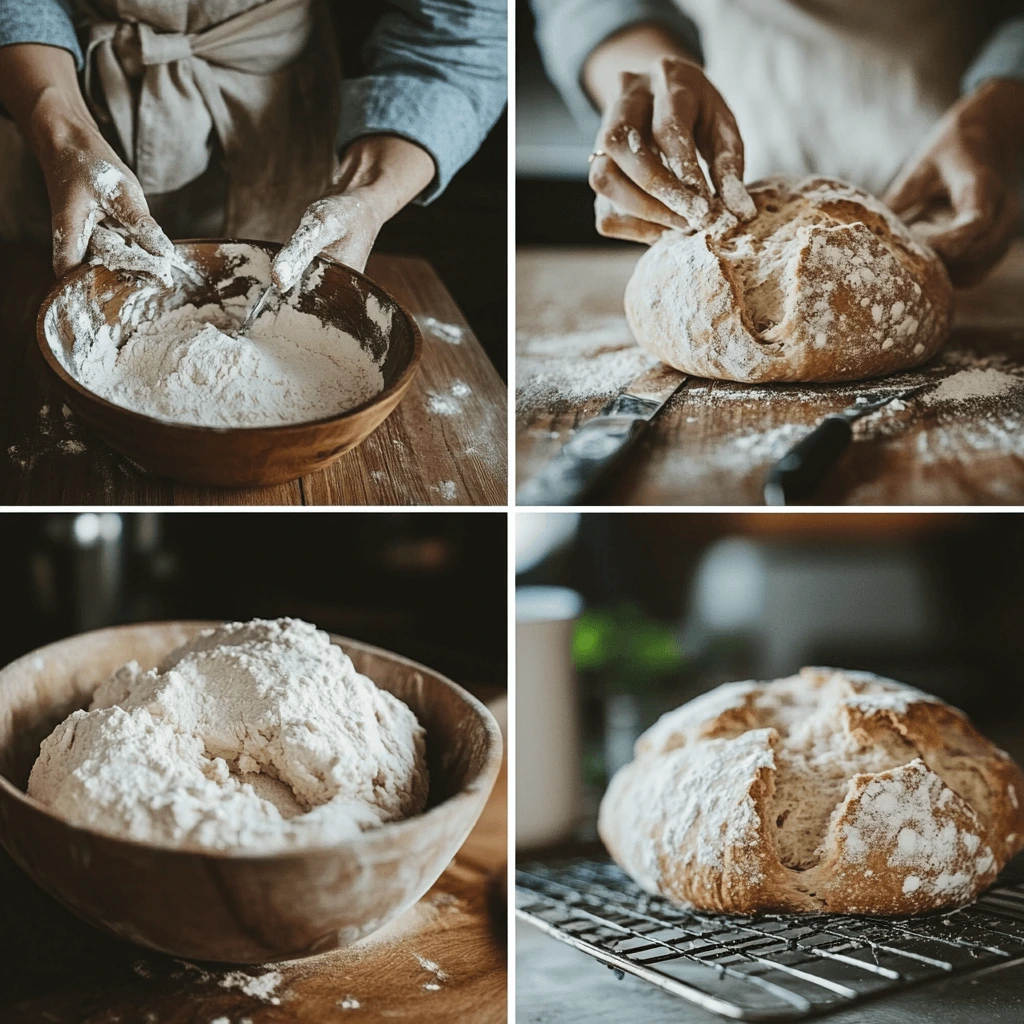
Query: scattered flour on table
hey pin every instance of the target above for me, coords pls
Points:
(348, 1003)
(258, 735)
(969, 384)
(262, 987)
(171, 359)
(578, 365)
(451, 334)
(447, 490)
(449, 403)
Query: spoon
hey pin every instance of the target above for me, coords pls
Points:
(257, 308)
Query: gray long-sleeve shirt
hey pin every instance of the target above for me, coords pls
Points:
(568, 31)
(437, 72)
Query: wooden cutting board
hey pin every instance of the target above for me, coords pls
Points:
(444, 445)
(714, 441)
(441, 962)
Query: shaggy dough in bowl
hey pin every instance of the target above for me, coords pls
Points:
(255, 735)
(824, 284)
(829, 791)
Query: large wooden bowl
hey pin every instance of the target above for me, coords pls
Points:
(234, 456)
(228, 906)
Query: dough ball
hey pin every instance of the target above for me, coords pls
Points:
(824, 284)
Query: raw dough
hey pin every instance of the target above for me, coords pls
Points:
(255, 735)
(825, 284)
(829, 791)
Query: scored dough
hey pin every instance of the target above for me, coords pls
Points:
(824, 284)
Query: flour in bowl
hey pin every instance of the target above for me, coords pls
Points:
(257, 735)
(177, 361)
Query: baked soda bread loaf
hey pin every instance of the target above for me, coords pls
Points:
(828, 791)
(824, 284)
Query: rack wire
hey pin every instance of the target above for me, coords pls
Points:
(771, 967)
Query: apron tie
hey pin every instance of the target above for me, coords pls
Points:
(163, 91)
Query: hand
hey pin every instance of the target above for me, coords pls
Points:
(378, 175)
(85, 179)
(959, 192)
(646, 174)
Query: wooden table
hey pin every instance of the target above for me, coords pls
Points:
(443, 961)
(444, 445)
(715, 440)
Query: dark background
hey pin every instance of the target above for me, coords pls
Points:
(428, 586)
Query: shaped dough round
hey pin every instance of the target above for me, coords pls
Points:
(824, 284)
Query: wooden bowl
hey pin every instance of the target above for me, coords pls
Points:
(223, 906)
(233, 456)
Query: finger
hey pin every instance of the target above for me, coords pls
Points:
(116, 252)
(607, 180)
(72, 226)
(128, 207)
(674, 113)
(977, 197)
(320, 226)
(623, 139)
(613, 224)
(967, 267)
(914, 187)
(722, 146)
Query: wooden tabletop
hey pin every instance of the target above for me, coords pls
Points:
(714, 441)
(443, 961)
(444, 445)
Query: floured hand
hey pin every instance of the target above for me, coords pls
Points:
(378, 175)
(959, 192)
(645, 170)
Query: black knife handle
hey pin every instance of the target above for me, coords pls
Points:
(797, 475)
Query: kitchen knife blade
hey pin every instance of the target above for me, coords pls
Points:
(600, 440)
(797, 475)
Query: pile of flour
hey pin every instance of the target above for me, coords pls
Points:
(180, 362)
(257, 735)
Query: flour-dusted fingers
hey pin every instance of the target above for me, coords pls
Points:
(612, 223)
(120, 252)
(608, 180)
(72, 227)
(675, 110)
(121, 197)
(719, 138)
(625, 137)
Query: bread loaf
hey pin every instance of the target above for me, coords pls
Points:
(824, 284)
(828, 791)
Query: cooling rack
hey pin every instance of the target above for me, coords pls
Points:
(771, 967)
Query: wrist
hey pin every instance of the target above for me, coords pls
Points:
(390, 169)
(1003, 101)
(58, 121)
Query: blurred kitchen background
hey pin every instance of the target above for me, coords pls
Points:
(431, 587)
(621, 617)
(554, 203)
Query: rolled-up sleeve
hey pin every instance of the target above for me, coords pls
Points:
(1002, 55)
(568, 31)
(436, 76)
(39, 21)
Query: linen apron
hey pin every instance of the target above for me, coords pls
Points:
(226, 110)
(848, 88)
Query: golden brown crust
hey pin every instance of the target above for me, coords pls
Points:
(825, 284)
(693, 817)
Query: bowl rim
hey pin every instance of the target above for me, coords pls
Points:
(393, 389)
(484, 779)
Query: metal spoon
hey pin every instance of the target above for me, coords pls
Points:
(250, 317)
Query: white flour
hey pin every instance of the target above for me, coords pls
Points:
(255, 735)
(175, 361)
(969, 384)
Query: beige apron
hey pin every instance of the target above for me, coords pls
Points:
(226, 110)
(841, 87)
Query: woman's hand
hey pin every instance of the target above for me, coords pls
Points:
(85, 180)
(959, 192)
(378, 175)
(658, 112)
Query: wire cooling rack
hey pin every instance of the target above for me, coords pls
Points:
(770, 967)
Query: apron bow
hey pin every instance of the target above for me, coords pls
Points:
(165, 91)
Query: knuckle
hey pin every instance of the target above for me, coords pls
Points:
(600, 176)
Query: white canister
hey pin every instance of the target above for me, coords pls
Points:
(549, 789)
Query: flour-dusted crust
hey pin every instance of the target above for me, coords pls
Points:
(824, 284)
(829, 791)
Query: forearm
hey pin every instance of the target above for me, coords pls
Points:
(395, 168)
(634, 49)
(39, 89)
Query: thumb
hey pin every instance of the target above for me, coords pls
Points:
(913, 187)
(317, 229)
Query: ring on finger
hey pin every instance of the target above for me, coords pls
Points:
(593, 156)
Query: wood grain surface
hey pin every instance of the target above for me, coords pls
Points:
(714, 441)
(444, 445)
(443, 961)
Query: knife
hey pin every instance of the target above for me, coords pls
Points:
(796, 476)
(601, 440)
